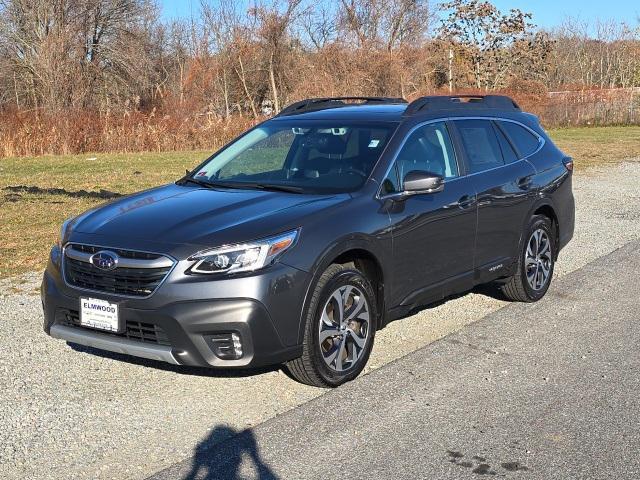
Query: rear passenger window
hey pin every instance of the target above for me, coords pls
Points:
(481, 144)
(525, 141)
(508, 153)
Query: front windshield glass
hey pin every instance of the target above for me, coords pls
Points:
(307, 157)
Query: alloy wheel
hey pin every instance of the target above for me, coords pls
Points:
(344, 328)
(538, 259)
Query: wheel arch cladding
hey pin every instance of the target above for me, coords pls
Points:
(548, 211)
(365, 261)
(371, 268)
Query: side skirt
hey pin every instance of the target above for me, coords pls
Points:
(422, 298)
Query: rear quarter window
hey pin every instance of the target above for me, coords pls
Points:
(508, 152)
(525, 141)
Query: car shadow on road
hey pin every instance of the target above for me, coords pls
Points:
(234, 449)
(492, 290)
(180, 369)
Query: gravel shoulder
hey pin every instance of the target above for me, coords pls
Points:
(71, 413)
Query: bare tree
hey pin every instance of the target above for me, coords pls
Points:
(318, 22)
(76, 53)
(483, 34)
(386, 23)
(274, 22)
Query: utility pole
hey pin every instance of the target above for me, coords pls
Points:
(450, 69)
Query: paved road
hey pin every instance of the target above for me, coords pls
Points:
(549, 390)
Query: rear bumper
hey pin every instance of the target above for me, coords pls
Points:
(178, 332)
(567, 220)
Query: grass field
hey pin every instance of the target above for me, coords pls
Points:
(30, 221)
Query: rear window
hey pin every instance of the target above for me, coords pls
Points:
(481, 144)
(525, 141)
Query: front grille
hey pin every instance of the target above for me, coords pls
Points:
(121, 253)
(136, 331)
(139, 281)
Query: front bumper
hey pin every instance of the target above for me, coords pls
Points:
(265, 312)
(86, 337)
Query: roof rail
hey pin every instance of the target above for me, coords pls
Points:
(313, 104)
(451, 102)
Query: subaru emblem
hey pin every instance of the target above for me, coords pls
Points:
(104, 260)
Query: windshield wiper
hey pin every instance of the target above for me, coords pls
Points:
(242, 185)
(279, 187)
(202, 183)
(258, 186)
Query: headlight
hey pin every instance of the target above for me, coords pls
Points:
(63, 232)
(243, 258)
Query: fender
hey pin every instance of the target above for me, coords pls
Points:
(337, 248)
(540, 202)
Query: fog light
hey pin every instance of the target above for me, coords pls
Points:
(225, 346)
(237, 345)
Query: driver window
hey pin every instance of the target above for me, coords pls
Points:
(427, 149)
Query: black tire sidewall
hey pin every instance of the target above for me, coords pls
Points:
(337, 280)
(536, 223)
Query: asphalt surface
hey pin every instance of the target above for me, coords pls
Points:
(548, 390)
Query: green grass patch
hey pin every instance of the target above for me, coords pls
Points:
(30, 222)
(595, 146)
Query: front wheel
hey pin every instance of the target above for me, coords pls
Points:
(535, 263)
(341, 322)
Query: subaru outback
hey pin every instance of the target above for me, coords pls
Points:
(300, 239)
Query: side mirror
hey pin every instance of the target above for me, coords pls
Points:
(417, 181)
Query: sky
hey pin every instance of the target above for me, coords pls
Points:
(546, 13)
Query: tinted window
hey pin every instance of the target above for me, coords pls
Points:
(525, 141)
(266, 155)
(427, 149)
(481, 144)
(313, 157)
(391, 184)
(508, 153)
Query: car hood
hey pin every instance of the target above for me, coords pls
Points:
(202, 216)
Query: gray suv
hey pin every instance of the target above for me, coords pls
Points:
(300, 239)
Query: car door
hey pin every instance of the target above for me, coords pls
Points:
(503, 185)
(433, 234)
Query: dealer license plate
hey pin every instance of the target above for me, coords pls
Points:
(99, 314)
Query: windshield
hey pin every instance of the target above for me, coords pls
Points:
(301, 157)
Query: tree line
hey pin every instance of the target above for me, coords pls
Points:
(113, 74)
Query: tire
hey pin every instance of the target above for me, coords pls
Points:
(347, 344)
(523, 286)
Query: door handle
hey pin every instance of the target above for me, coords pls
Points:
(465, 201)
(525, 182)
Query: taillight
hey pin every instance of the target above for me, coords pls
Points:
(568, 163)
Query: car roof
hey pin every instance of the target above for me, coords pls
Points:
(395, 112)
(385, 113)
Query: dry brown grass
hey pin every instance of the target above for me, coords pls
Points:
(78, 131)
